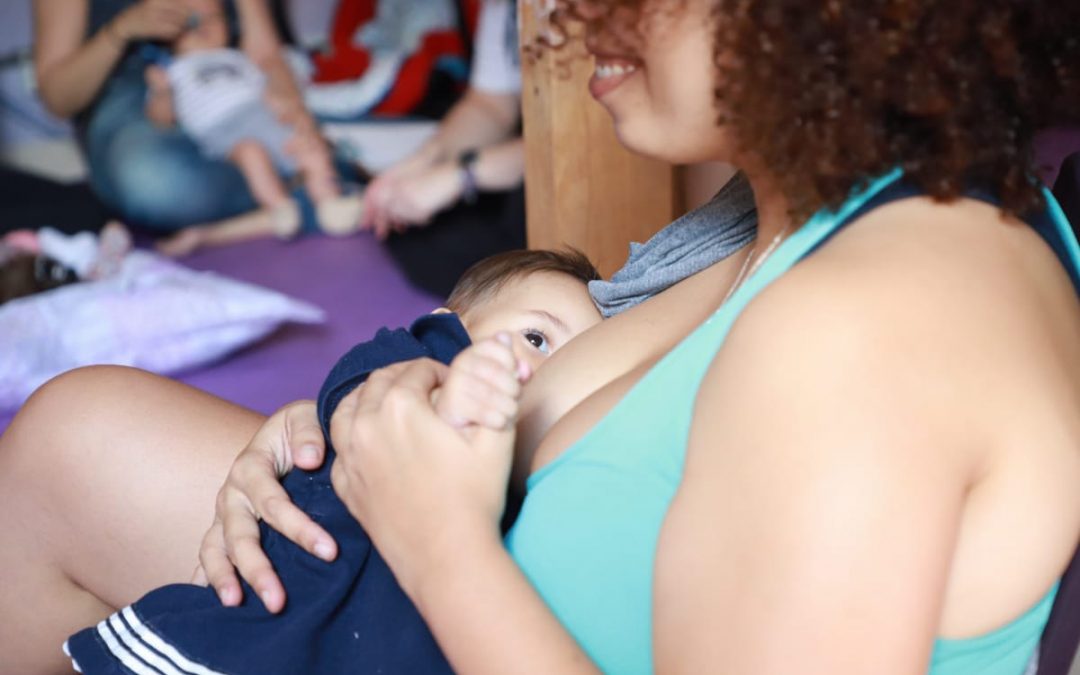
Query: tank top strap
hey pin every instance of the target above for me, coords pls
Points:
(1053, 225)
(801, 243)
(1050, 223)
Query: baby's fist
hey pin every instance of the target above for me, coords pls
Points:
(483, 386)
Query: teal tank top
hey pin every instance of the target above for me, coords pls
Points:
(587, 532)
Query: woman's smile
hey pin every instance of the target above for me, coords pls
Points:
(611, 71)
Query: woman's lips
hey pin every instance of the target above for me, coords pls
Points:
(609, 74)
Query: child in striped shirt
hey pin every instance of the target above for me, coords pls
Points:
(217, 96)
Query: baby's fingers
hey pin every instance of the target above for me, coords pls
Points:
(492, 362)
(474, 401)
(497, 410)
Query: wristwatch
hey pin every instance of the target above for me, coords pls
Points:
(467, 164)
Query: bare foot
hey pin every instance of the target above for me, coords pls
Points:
(340, 216)
(285, 219)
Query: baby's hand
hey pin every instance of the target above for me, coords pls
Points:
(483, 386)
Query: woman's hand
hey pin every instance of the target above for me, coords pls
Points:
(252, 490)
(394, 201)
(151, 20)
(419, 486)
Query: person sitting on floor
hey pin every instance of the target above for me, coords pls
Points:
(216, 95)
(506, 316)
(90, 68)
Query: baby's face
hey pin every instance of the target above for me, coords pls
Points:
(541, 312)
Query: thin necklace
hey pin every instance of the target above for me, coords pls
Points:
(747, 270)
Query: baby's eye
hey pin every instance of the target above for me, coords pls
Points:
(538, 340)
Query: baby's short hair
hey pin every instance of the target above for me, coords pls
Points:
(487, 277)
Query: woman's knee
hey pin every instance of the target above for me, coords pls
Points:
(65, 412)
(159, 179)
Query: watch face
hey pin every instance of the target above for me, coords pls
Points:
(468, 158)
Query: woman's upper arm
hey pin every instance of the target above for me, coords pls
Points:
(59, 29)
(258, 37)
(815, 524)
(502, 108)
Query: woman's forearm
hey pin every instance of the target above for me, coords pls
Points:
(488, 618)
(259, 41)
(478, 120)
(69, 84)
(500, 167)
(282, 90)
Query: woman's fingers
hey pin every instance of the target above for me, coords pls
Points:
(284, 517)
(216, 568)
(382, 224)
(161, 19)
(253, 491)
(244, 550)
(376, 197)
(306, 444)
(262, 496)
(405, 474)
(198, 577)
(420, 377)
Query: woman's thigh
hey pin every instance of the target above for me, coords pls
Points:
(107, 483)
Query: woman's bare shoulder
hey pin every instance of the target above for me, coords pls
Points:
(838, 433)
(946, 309)
(945, 279)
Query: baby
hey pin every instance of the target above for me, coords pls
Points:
(217, 95)
(350, 615)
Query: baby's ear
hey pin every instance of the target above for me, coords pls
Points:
(441, 310)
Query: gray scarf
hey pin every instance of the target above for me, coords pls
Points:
(695, 241)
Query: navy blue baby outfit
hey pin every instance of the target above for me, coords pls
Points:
(347, 616)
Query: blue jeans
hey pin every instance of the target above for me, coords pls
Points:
(151, 176)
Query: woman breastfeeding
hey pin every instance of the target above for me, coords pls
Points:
(851, 447)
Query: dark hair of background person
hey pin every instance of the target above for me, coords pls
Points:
(831, 94)
(25, 274)
(488, 276)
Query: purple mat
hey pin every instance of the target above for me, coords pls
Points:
(353, 280)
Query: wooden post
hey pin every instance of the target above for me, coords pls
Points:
(582, 187)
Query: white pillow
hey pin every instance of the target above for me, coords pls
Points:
(155, 314)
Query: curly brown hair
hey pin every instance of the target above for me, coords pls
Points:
(831, 93)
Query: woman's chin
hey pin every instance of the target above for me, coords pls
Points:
(640, 139)
(634, 138)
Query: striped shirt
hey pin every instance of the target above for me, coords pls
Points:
(209, 86)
